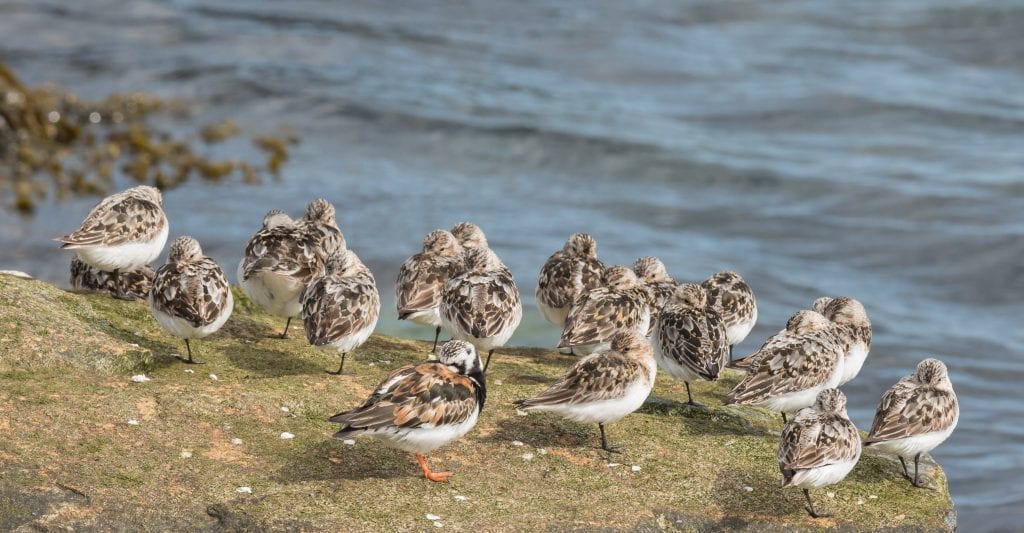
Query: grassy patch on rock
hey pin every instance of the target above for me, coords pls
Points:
(70, 458)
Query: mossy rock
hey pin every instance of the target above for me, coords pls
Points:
(69, 457)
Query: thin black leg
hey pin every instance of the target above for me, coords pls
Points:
(730, 353)
(437, 333)
(190, 361)
(488, 362)
(689, 397)
(810, 506)
(341, 367)
(284, 334)
(610, 448)
(784, 421)
(917, 460)
(906, 473)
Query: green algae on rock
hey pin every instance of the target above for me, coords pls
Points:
(70, 458)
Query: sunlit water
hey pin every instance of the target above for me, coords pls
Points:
(819, 148)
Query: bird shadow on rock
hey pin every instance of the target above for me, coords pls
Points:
(755, 491)
(544, 430)
(714, 419)
(273, 363)
(333, 460)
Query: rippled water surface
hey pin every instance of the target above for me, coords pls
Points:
(870, 149)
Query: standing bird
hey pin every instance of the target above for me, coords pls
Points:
(602, 387)
(122, 233)
(689, 338)
(734, 301)
(853, 326)
(803, 322)
(191, 297)
(568, 272)
(134, 284)
(341, 307)
(916, 415)
(654, 276)
(419, 408)
(482, 304)
(819, 447)
(422, 277)
(285, 255)
(621, 305)
(788, 374)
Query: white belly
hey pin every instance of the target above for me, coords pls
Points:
(911, 446)
(823, 476)
(182, 328)
(737, 332)
(555, 315)
(353, 340)
(278, 295)
(424, 439)
(427, 317)
(486, 344)
(672, 367)
(603, 411)
(853, 361)
(131, 256)
(794, 401)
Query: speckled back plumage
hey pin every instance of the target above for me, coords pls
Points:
(569, 271)
(691, 335)
(818, 436)
(483, 301)
(135, 284)
(342, 301)
(422, 277)
(731, 297)
(133, 215)
(617, 307)
(920, 403)
(295, 249)
(850, 315)
(190, 286)
(803, 323)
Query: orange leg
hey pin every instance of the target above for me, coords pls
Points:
(440, 477)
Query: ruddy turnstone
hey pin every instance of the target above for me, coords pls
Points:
(133, 284)
(568, 272)
(734, 301)
(621, 304)
(481, 304)
(419, 408)
(916, 415)
(654, 276)
(603, 387)
(122, 233)
(789, 372)
(854, 327)
(689, 338)
(341, 307)
(802, 323)
(819, 447)
(191, 297)
(422, 277)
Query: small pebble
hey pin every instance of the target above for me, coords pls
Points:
(140, 378)
(635, 468)
(613, 465)
(287, 435)
(133, 422)
(527, 456)
(438, 524)
(520, 412)
(213, 377)
(285, 409)
(189, 371)
(748, 488)
(236, 441)
(542, 451)
(460, 498)
(432, 517)
(860, 501)
(517, 443)
(244, 490)
(497, 382)
(830, 494)
(872, 497)
(185, 454)
(349, 442)
(133, 345)
(138, 333)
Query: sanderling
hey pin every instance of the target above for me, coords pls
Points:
(133, 284)
(689, 338)
(853, 326)
(819, 447)
(419, 408)
(482, 304)
(568, 272)
(802, 323)
(124, 232)
(603, 387)
(422, 277)
(654, 276)
(734, 301)
(787, 373)
(341, 307)
(621, 304)
(915, 415)
(285, 255)
(191, 297)
(469, 235)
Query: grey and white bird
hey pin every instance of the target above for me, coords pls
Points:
(567, 273)
(603, 387)
(340, 308)
(419, 408)
(853, 327)
(621, 304)
(803, 322)
(819, 446)
(689, 338)
(916, 415)
(190, 297)
(422, 278)
(123, 233)
(733, 299)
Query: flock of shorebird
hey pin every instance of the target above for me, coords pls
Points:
(624, 323)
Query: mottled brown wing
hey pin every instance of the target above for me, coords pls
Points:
(197, 291)
(333, 308)
(798, 364)
(556, 286)
(812, 440)
(694, 339)
(598, 315)
(118, 220)
(734, 301)
(421, 280)
(285, 250)
(907, 410)
(427, 394)
(590, 275)
(600, 376)
(482, 304)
